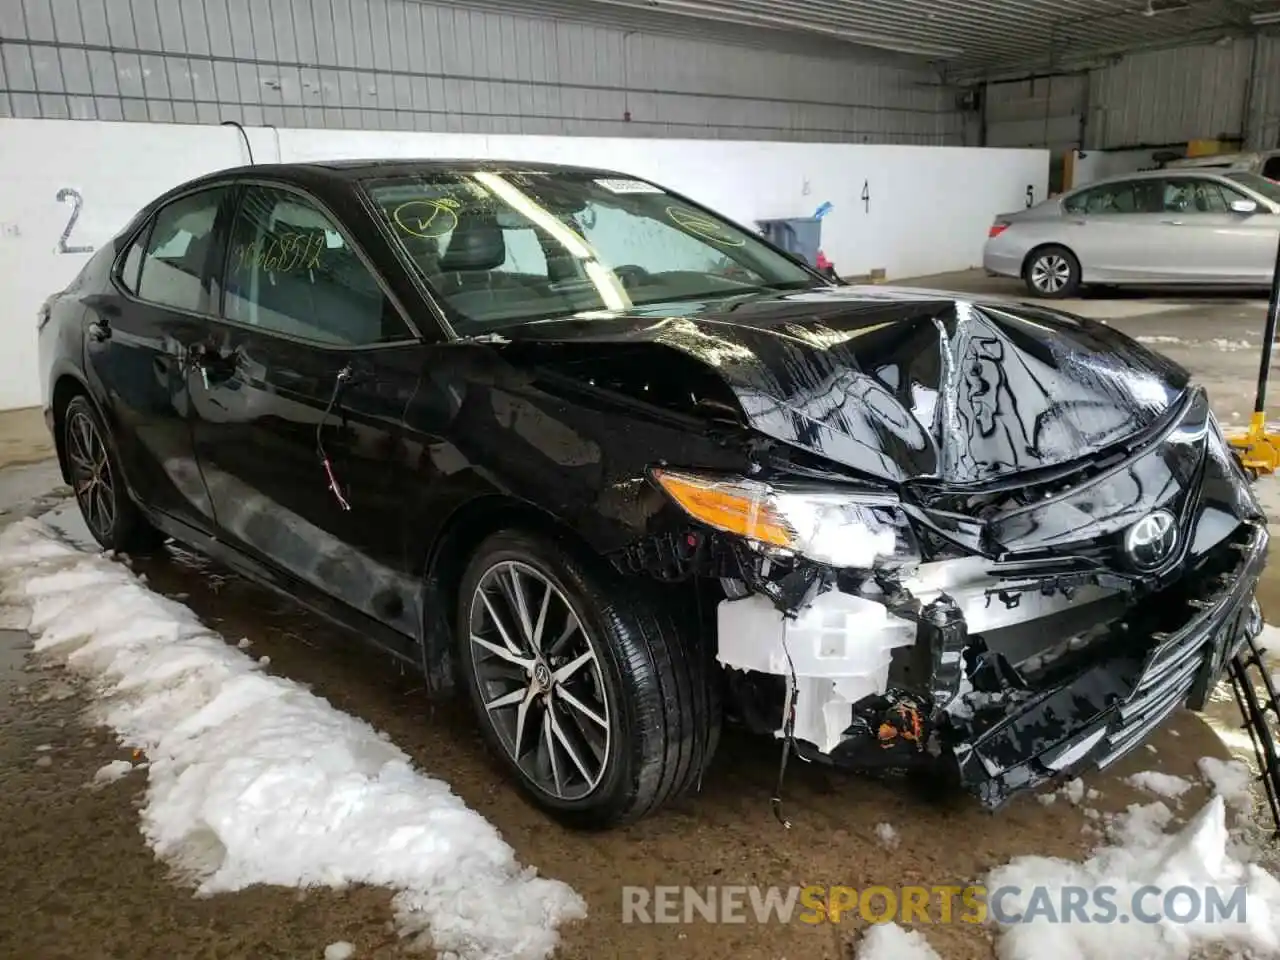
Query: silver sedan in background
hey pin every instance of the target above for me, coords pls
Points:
(1206, 228)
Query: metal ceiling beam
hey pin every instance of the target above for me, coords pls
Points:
(967, 36)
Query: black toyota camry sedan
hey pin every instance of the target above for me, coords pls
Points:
(619, 470)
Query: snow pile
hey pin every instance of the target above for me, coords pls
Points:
(886, 834)
(254, 779)
(111, 772)
(1141, 825)
(1159, 339)
(1269, 639)
(1231, 780)
(888, 941)
(1161, 784)
(1141, 855)
(1073, 790)
(342, 950)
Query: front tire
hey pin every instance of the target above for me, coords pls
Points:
(109, 512)
(584, 683)
(1052, 272)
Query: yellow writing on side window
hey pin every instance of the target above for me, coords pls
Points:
(281, 253)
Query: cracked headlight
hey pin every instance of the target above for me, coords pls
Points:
(854, 528)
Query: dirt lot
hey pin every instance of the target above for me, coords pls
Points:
(77, 881)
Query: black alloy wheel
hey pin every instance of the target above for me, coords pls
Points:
(110, 514)
(588, 686)
(538, 673)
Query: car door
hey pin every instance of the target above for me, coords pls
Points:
(297, 400)
(1112, 228)
(1216, 244)
(1271, 166)
(1256, 232)
(164, 295)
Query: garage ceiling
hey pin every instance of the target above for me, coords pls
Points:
(967, 36)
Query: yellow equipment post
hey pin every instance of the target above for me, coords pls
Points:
(1258, 449)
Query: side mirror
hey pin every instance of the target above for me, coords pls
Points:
(1243, 206)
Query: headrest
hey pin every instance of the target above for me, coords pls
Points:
(475, 244)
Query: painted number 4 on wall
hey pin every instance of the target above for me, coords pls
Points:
(64, 241)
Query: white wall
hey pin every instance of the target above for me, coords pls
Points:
(928, 211)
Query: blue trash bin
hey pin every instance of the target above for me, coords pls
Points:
(801, 236)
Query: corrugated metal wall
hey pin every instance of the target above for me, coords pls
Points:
(1170, 96)
(1149, 99)
(401, 64)
(1044, 112)
(1264, 125)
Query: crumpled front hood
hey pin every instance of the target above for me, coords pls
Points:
(904, 384)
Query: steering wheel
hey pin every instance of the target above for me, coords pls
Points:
(632, 276)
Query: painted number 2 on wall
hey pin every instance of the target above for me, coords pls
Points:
(64, 241)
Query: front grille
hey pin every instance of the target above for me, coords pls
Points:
(1171, 671)
(1099, 716)
(1145, 711)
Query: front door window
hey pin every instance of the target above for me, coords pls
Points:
(291, 271)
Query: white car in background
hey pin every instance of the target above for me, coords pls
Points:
(1199, 227)
(1266, 163)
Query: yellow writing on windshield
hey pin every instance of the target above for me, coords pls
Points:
(700, 225)
(429, 219)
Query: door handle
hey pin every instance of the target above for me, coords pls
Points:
(99, 331)
(1173, 223)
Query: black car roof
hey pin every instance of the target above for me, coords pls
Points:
(361, 169)
(334, 179)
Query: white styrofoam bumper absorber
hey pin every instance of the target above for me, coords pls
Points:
(840, 646)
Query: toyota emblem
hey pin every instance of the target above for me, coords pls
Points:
(1151, 541)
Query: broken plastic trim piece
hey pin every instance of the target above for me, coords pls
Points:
(788, 739)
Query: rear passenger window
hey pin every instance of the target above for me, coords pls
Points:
(176, 264)
(291, 271)
(1130, 196)
(132, 262)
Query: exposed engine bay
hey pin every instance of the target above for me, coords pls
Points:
(1002, 635)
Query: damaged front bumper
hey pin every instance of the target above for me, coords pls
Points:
(868, 687)
(1096, 717)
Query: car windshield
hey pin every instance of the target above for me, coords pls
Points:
(1259, 185)
(508, 248)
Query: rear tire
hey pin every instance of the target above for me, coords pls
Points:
(1052, 272)
(631, 726)
(109, 512)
